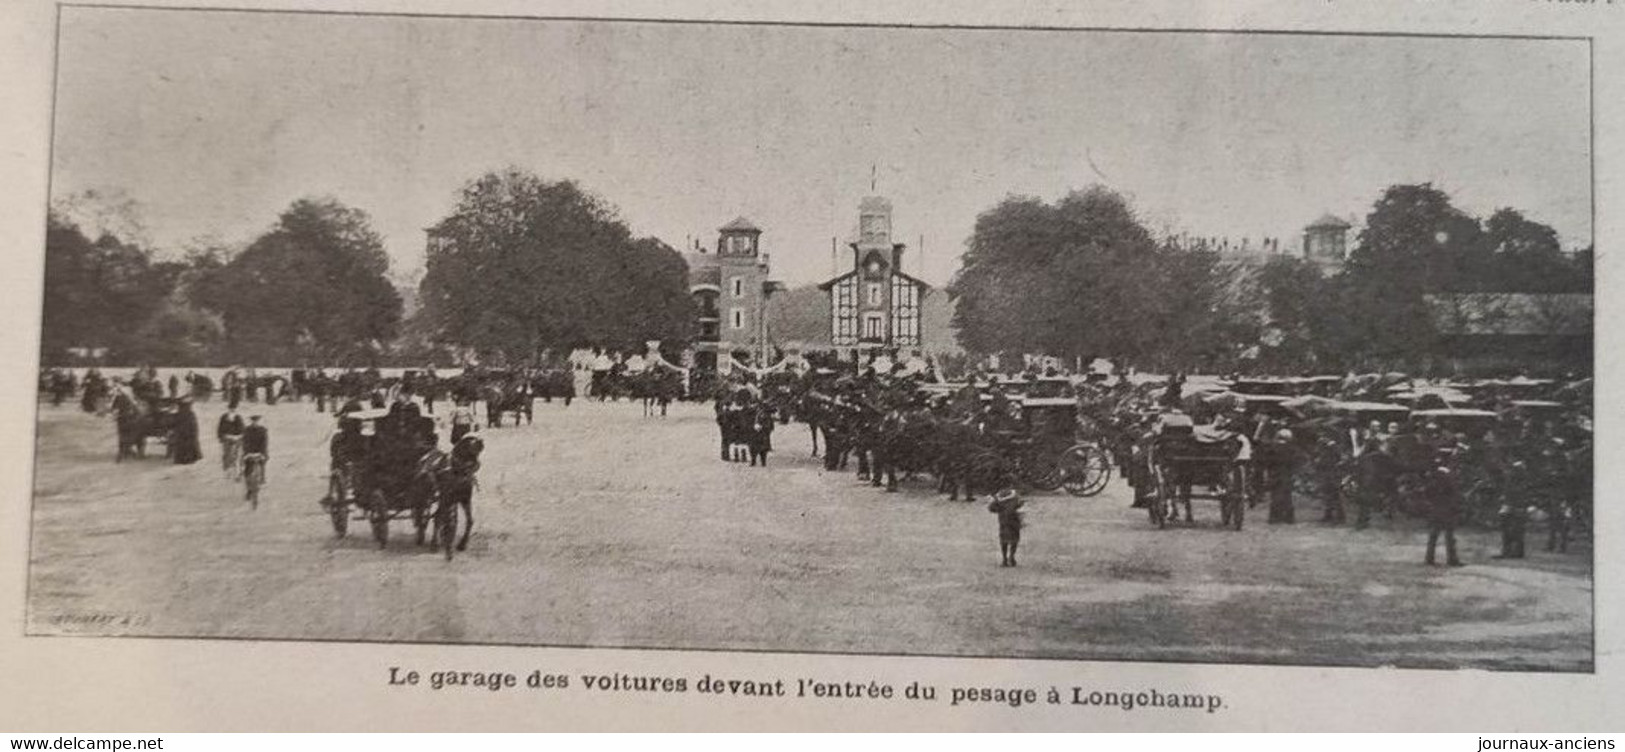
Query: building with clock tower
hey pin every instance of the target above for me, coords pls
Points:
(875, 305)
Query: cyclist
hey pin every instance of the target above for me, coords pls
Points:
(230, 433)
(256, 450)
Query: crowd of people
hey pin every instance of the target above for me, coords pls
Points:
(1485, 454)
(1510, 453)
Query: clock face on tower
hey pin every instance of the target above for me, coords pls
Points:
(874, 267)
(873, 227)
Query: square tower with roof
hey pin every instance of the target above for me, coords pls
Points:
(875, 305)
(1325, 241)
(731, 288)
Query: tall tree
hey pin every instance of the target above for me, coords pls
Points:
(1528, 256)
(314, 287)
(1309, 325)
(98, 294)
(523, 265)
(1208, 309)
(1078, 278)
(1415, 243)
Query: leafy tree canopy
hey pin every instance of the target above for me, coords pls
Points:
(523, 265)
(313, 288)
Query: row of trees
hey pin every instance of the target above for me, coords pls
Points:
(522, 265)
(1082, 277)
(311, 287)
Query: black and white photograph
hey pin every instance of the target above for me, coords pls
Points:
(1083, 344)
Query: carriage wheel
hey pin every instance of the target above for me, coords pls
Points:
(445, 528)
(338, 505)
(1042, 470)
(1160, 500)
(1085, 470)
(983, 469)
(420, 521)
(1236, 497)
(378, 515)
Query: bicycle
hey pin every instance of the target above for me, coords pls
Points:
(253, 477)
(231, 457)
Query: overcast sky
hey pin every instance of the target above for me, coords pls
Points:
(214, 121)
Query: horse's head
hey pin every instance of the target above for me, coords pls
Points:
(468, 448)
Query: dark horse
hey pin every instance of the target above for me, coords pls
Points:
(515, 397)
(454, 481)
(657, 388)
(136, 419)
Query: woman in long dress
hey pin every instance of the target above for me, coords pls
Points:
(184, 439)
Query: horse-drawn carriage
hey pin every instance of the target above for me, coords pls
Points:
(1181, 462)
(385, 466)
(1034, 437)
(143, 419)
(1060, 455)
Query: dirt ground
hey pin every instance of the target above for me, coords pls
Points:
(597, 526)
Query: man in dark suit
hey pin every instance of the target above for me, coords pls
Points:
(229, 431)
(256, 438)
(1443, 493)
(256, 451)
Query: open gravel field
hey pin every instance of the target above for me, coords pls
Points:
(597, 526)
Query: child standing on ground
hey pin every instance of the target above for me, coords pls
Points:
(1007, 505)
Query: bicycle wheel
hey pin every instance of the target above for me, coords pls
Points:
(253, 478)
(338, 504)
